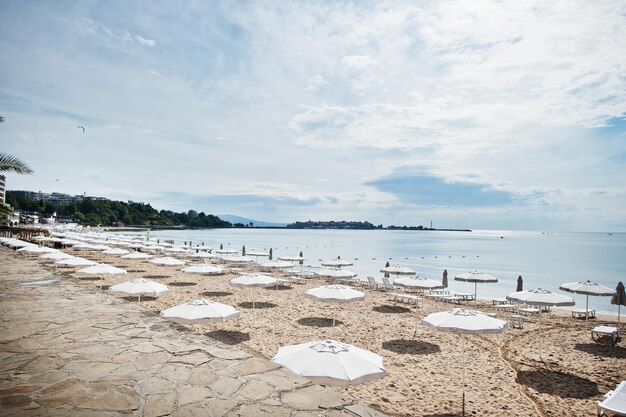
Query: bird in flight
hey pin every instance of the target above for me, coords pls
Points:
(80, 127)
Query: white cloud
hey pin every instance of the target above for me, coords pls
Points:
(148, 42)
(314, 100)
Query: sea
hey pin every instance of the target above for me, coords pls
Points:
(543, 259)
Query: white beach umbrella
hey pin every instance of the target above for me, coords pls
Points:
(237, 259)
(136, 255)
(204, 269)
(464, 322)
(85, 246)
(200, 312)
(176, 249)
(256, 254)
(139, 287)
(330, 362)
(115, 252)
(335, 273)
(200, 255)
(167, 261)
(541, 297)
(276, 265)
(418, 283)
(475, 277)
(75, 261)
(227, 251)
(587, 288)
(335, 294)
(336, 263)
(291, 258)
(36, 249)
(253, 280)
(397, 270)
(55, 256)
(102, 269)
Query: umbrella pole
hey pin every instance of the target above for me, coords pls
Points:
(333, 322)
(475, 293)
(587, 313)
(540, 336)
(463, 374)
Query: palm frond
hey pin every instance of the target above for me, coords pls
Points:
(4, 211)
(12, 164)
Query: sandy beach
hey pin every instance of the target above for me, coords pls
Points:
(505, 375)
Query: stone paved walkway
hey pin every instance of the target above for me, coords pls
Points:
(68, 351)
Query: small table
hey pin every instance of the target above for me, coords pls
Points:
(529, 310)
(601, 333)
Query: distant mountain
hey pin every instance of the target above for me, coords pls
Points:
(257, 223)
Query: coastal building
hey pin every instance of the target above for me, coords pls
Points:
(59, 198)
(2, 189)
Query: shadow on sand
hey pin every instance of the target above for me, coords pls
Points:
(257, 305)
(182, 284)
(216, 293)
(558, 383)
(602, 350)
(411, 347)
(319, 322)
(387, 309)
(143, 298)
(229, 337)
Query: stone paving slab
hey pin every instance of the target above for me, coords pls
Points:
(66, 350)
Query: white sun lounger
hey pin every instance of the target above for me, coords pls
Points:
(614, 401)
(599, 332)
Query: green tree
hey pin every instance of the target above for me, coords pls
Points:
(9, 163)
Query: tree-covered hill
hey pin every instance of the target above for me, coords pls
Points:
(94, 212)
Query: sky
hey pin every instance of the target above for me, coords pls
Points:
(470, 114)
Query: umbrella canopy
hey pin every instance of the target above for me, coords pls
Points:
(397, 270)
(475, 277)
(200, 255)
(541, 297)
(166, 260)
(335, 294)
(418, 282)
(204, 269)
(253, 280)
(136, 255)
(619, 299)
(75, 261)
(336, 263)
(55, 255)
(200, 312)
(115, 252)
(227, 251)
(335, 273)
(330, 362)
(520, 284)
(237, 259)
(276, 265)
(587, 288)
(102, 269)
(256, 253)
(139, 287)
(291, 258)
(464, 322)
(36, 249)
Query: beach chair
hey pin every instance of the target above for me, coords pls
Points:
(387, 285)
(614, 401)
(373, 284)
(582, 313)
(605, 334)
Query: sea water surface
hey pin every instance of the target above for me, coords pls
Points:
(544, 260)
